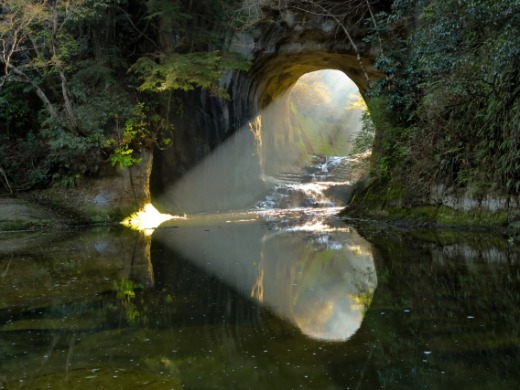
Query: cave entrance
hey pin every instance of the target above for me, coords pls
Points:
(326, 108)
(319, 115)
(283, 156)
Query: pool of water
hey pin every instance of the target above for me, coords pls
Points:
(260, 300)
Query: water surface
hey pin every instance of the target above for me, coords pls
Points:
(283, 296)
(237, 301)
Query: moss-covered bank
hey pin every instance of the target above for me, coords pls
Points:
(441, 206)
(17, 214)
(108, 198)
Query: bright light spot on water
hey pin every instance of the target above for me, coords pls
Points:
(317, 226)
(295, 213)
(241, 220)
(147, 219)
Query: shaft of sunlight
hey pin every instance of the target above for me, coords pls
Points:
(310, 119)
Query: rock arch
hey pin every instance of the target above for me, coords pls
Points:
(282, 49)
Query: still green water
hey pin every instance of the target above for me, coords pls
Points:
(259, 302)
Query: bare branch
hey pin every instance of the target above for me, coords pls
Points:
(374, 22)
(326, 12)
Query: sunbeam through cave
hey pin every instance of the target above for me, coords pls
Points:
(310, 126)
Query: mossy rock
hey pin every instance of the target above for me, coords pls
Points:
(390, 202)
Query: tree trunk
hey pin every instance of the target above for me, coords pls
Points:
(71, 115)
(39, 92)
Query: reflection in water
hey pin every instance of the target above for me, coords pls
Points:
(322, 281)
(258, 288)
(444, 314)
(41, 269)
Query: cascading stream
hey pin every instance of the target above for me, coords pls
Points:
(318, 185)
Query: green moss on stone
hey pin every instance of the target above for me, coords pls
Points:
(18, 225)
(393, 202)
(476, 217)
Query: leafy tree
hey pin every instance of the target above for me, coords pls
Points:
(49, 46)
(80, 58)
(40, 41)
(191, 54)
(166, 72)
(452, 88)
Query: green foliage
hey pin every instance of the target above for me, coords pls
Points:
(59, 57)
(123, 157)
(125, 289)
(452, 84)
(83, 107)
(142, 127)
(364, 139)
(24, 161)
(186, 71)
(390, 145)
(15, 109)
(194, 26)
(125, 293)
(170, 12)
(70, 181)
(193, 57)
(132, 135)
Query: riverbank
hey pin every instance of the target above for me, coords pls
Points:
(109, 198)
(19, 214)
(439, 207)
(54, 209)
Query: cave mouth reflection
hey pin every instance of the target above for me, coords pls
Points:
(321, 281)
(261, 211)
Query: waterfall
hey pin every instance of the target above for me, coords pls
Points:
(323, 183)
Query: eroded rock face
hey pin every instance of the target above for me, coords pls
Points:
(120, 191)
(282, 46)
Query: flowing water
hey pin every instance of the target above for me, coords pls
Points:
(282, 296)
